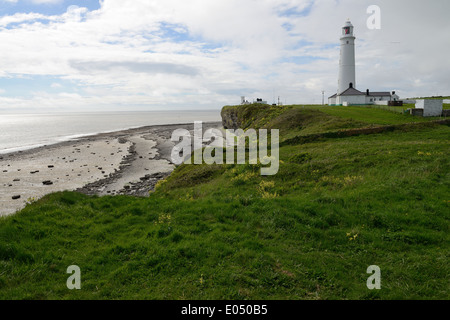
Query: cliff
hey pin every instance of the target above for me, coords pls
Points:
(230, 118)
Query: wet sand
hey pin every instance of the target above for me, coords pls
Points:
(128, 162)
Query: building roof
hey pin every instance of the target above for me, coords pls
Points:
(352, 92)
(379, 94)
(333, 96)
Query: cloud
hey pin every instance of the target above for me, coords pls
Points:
(20, 18)
(208, 53)
(134, 67)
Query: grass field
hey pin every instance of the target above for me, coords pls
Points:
(374, 115)
(336, 207)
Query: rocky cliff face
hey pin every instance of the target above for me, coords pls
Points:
(230, 118)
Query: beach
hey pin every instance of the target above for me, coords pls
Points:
(126, 162)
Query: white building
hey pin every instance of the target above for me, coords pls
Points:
(347, 93)
(351, 96)
(431, 108)
(258, 100)
(244, 101)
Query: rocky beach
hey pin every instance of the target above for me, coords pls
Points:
(127, 162)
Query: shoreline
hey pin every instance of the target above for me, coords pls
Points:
(78, 137)
(123, 162)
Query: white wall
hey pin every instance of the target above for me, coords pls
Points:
(431, 108)
(381, 103)
(352, 100)
(347, 69)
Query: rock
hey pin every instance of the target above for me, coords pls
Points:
(51, 166)
(16, 180)
(16, 197)
(47, 183)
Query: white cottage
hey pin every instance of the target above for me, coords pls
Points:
(352, 96)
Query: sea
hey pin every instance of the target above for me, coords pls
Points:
(19, 132)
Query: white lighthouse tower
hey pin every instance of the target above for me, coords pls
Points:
(347, 94)
(347, 69)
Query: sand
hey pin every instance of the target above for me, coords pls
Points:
(127, 162)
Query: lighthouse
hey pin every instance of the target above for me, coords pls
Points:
(347, 69)
(347, 94)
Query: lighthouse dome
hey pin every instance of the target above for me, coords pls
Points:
(347, 29)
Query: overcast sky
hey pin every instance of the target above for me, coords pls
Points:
(66, 55)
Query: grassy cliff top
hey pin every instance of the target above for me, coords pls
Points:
(340, 203)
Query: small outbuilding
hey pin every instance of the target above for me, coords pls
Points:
(431, 108)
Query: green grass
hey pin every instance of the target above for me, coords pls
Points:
(372, 115)
(336, 207)
(433, 98)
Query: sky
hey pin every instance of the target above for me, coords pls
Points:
(132, 55)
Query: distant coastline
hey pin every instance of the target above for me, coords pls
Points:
(21, 132)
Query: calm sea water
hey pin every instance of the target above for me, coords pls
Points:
(27, 131)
